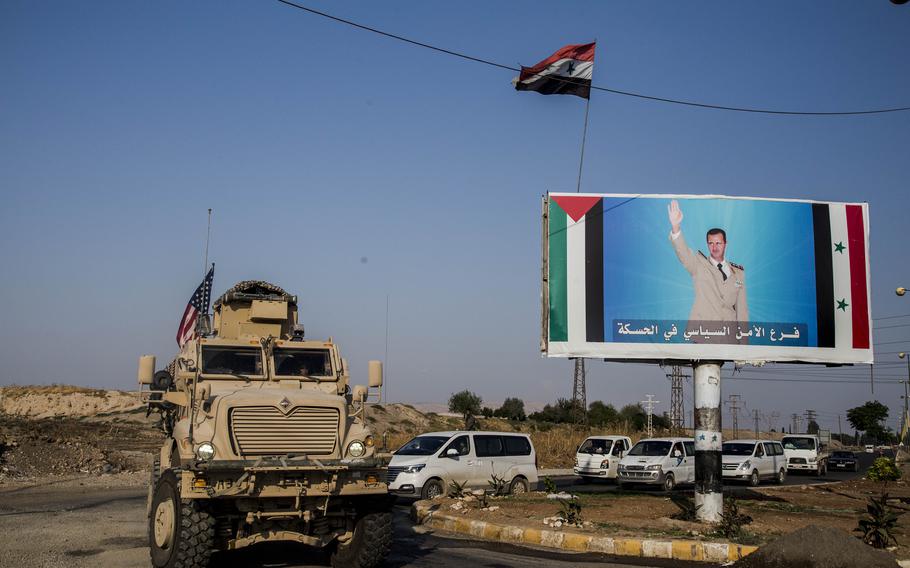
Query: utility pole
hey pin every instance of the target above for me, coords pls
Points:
(755, 417)
(840, 431)
(579, 396)
(650, 404)
(677, 417)
(733, 401)
(709, 502)
(794, 425)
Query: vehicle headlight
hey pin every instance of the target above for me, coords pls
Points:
(605, 464)
(655, 467)
(356, 449)
(415, 468)
(205, 451)
(745, 465)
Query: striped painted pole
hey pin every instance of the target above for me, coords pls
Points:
(708, 439)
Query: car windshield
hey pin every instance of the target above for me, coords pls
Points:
(302, 363)
(731, 449)
(842, 455)
(422, 446)
(798, 443)
(650, 448)
(595, 446)
(243, 361)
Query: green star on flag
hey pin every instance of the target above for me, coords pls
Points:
(842, 304)
(839, 247)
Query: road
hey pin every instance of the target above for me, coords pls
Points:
(86, 524)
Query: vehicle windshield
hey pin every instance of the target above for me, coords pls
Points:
(731, 449)
(842, 455)
(650, 448)
(595, 446)
(798, 443)
(243, 361)
(422, 446)
(302, 362)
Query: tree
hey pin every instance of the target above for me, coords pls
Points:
(868, 417)
(634, 415)
(487, 412)
(812, 428)
(512, 409)
(600, 414)
(559, 412)
(465, 403)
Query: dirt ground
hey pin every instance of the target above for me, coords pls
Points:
(775, 511)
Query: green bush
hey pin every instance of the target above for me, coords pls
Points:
(883, 469)
(877, 527)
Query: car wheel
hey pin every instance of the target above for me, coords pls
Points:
(669, 482)
(781, 476)
(518, 486)
(753, 479)
(181, 531)
(432, 488)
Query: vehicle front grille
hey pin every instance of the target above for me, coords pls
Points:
(797, 460)
(729, 466)
(392, 474)
(634, 467)
(638, 474)
(265, 430)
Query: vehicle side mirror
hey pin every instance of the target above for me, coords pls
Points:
(375, 374)
(146, 369)
(451, 453)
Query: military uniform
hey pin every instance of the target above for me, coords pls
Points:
(716, 299)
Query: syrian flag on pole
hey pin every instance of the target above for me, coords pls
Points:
(566, 72)
(842, 288)
(198, 304)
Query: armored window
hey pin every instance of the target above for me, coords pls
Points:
(488, 446)
(303, 363)
(218, 360)
(517, 446)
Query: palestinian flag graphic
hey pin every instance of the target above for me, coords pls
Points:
(841, 268)
(566, 72)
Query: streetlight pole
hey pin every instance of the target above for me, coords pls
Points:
(903, 355)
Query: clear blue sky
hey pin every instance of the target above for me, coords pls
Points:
(346, 167)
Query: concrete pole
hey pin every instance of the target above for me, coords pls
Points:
(708, 440)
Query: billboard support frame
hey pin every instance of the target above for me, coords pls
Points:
(709, 501)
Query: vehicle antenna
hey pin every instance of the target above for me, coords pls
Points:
(208, 236)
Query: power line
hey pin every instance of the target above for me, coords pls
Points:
(594, 87)
(891, 317)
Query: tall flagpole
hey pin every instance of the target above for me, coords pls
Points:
(584, 136)
(208, 236)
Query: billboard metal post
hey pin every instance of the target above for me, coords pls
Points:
(708, 439)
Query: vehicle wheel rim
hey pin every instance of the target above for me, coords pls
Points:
(434, 490)
(164, 524)
(754, 478)
(518, 488)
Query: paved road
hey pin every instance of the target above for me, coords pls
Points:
(53, 525)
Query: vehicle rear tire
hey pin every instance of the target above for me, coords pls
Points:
(781, 476)
(754, 479)
(154, 474)
(181, 532)
(432, 488)
(519, 486)
(669, 482)
(370, 544)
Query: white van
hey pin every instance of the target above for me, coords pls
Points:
(659, 461)
(753, 460)
(598, 456)
(425, 466)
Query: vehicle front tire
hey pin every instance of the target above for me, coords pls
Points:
(370, 544)
(669, 482)
(754, 479)
(518, 486)
(181, 532)
(432, 488)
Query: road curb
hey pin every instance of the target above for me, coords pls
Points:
(428, 513)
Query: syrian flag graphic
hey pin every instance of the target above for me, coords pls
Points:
(566, 72)
(841, 269)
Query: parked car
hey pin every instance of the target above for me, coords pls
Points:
(753, 460)
(426, 465)
(843, 460)
(598, 456)
(658, 461)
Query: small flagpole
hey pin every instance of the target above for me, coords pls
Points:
(584, 136)
(208, 236)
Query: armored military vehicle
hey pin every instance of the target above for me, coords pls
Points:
(265, 440)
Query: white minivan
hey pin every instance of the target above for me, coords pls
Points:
(598, 457)
(425, 466)
(753, 460)
(659, 461)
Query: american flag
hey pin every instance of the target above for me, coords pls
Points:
(199, 303)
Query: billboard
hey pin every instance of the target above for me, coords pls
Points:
(688, 277)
